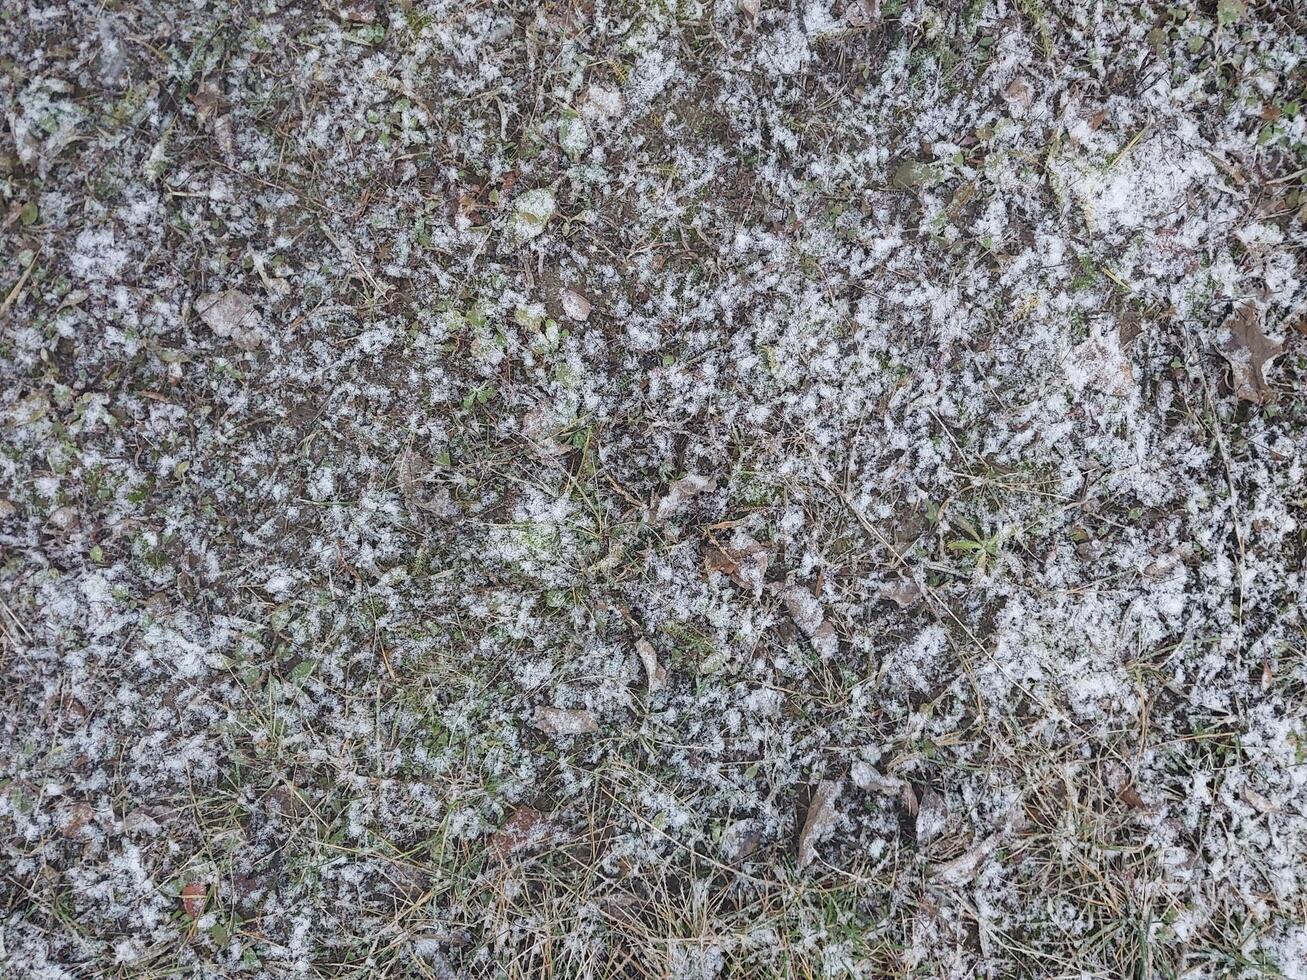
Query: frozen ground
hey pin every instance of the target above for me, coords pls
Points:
(653, 489)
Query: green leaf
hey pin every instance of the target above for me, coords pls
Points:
(1228, 11)
(303, 670)
(573, 136)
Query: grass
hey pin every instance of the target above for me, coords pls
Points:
(275, 623)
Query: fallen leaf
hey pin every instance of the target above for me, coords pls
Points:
(680, 493)
(809, 617)
(1128, 795)
(862, 13)
(914, 175)
(575, 306)
(1249, 352)
(525, 826)
(531, 212)
(744, 561)
(1256, 800)
(751, 7)
(908, 797)
(194, 899)
(868, 777)
(903, 593)
(962, 870)
(932, 816)
(656, 674)
(225, 137)
(564, 721)
(821, 820)
(740, 839)
(357, 13)
(207, 98)
(75, 818)
(573, 136)
(230, 314)
(1018, 95)
(541, 423)
(413, 469)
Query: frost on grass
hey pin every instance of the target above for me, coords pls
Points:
(683, 489)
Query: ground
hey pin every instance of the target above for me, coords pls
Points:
(653, 488)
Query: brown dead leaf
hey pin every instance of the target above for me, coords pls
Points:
(810, 618)
(654, 673)
(564, 721)
(207, 98)
(868, 777)
(908, 797)
(231, 314)
(932, 816)
(525, 826)
(862, 13)
(1018, 96)
(740, 839)
(1128, 795)
(962, 870)
(903, 593)
(680, 493)
(413, 470)
(1249, 351)
(575, 306)
(744, 561)
(75, 818)
(194, 898)
(820, 821)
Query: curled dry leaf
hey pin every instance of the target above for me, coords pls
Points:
(809, 617)
(564, 721)
(194, 898)
(740, 839)
(413, 470)
(744, 560)
(903, 593)
(680, 493)
(541, 423)
(575, 306)
(601, 101)
(524, 827)
(932, 816)
(963, 869)
(821, 820)
(1249, 351)
(231, 314)
(656, 674)
(868, 777)
(1128, 795)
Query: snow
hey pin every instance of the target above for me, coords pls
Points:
(652, 414)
